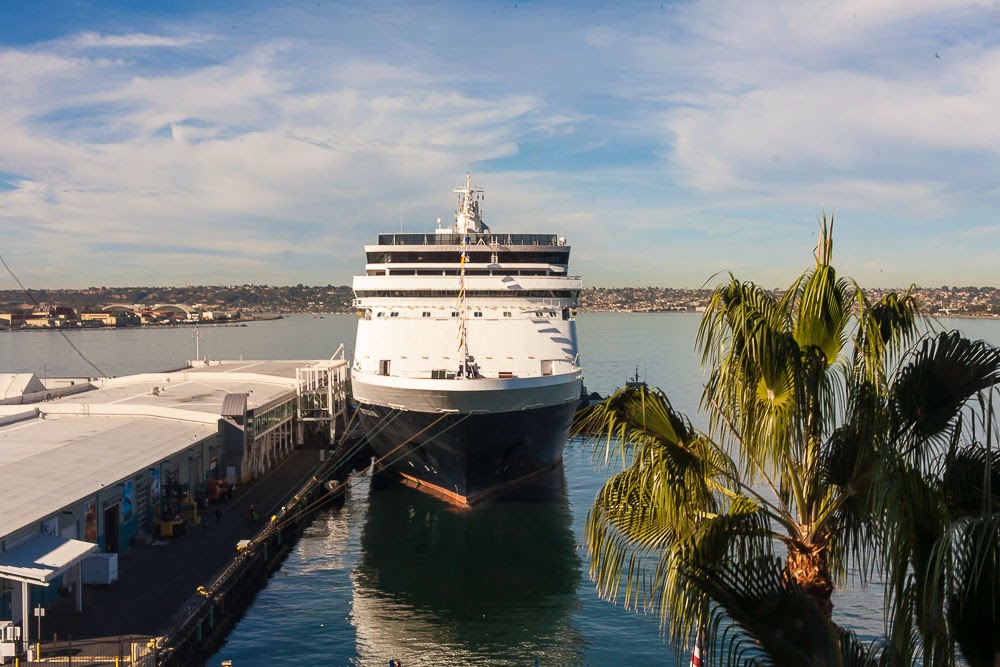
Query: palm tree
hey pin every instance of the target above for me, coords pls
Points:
(941, 501)
(757, 520)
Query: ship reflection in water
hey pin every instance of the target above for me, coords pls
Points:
(496, 584)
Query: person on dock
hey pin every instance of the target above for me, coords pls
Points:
(253, 513)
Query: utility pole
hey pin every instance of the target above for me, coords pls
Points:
(39, 612)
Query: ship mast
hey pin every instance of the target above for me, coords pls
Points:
(468, 219)
(464, 369)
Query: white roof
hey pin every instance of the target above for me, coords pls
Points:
(47, 464)
(42, 557)
(194, 394)
(13, 385)
(60, 452)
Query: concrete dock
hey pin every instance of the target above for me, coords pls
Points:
(155, 581)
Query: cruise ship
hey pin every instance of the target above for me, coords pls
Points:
(466, 371)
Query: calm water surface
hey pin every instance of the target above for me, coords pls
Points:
(395, 574)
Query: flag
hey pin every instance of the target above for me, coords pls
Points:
(698, 652)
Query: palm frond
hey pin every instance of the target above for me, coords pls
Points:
(965, 576)
(739, 534)
(658, 500)
(765, 618)
(963, 479)
(823, 313)
(915, 517)
(848, 468)
(630, 418)
(934, 384)
(885, 328)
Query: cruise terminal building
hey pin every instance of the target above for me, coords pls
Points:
(84, 475)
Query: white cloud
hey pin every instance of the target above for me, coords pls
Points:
(710, 135)
(136, 40)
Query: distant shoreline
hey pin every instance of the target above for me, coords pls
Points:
(242, 322)
(956, 316)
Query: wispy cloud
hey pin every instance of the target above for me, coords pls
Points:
(666, 142)
(136, 40)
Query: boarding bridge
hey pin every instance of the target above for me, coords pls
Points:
(322, 394)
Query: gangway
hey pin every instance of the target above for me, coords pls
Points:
(322, 393)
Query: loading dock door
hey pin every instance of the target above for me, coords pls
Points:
(111, 529)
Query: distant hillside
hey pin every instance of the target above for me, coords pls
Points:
(974, 301)
(247, 298)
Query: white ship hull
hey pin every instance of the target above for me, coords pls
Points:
(472, 396)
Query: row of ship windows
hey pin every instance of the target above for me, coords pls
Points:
(455, 272)
(472, 293)
(470, 239)
(472, 257)
(478, 313)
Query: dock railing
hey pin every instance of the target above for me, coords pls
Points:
(203, 622)
(122, 651)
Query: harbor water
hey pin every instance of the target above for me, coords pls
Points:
(397, 575)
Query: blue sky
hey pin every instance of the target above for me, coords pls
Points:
(153, 143)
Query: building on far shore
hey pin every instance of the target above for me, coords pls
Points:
(113, 315)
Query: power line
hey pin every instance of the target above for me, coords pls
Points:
(31, 297)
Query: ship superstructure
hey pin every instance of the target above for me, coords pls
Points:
(466, 369)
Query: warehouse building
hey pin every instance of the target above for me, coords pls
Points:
(83, 476)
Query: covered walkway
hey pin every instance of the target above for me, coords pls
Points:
(36, 563)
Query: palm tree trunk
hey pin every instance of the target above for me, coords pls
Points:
(807, 567)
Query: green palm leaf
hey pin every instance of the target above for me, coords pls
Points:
(965, 574)
(930, 390)
(765, 617)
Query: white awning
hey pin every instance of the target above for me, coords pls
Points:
(42, 558)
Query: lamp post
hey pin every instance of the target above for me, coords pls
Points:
(197, 343)
(39, 612)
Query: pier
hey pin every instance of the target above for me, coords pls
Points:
(131, 469)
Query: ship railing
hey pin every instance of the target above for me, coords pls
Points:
(547, 367)
(489, 239)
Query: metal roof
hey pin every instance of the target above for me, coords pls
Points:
(13, 385)
(276, 368)
(173, 394)
(63, 451)
(42, 558)
(49, 464)
(234, 405)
